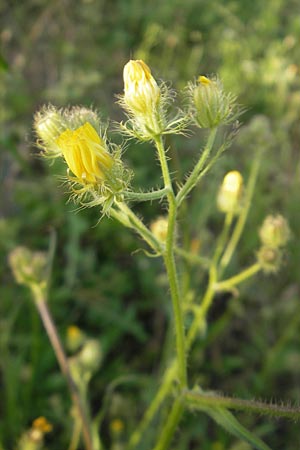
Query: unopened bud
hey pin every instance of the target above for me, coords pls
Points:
(28, 267)
(90, 356)
(141, 92)
(49, 124)
(142, 100)
(212, 106)
(75, 338)
(230, 192)
(269, 258)
(274, 232)
(160, 228)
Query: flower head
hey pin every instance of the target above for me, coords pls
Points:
(29, 267)
(42, 424)
(275, 231)
(86, 154)
(95, 168)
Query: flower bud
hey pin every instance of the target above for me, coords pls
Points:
(77, 116)
(49, 124)
(274, 232)
(141, 92)
(29, 268)
(270, 258)
(142, 99)
(75, 338)
(212, 106)
(160, 228)
(230, 193)
(90, 356)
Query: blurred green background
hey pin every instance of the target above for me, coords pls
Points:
(73, 52)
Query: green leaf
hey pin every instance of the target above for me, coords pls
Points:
(227, 420)
(3, 64)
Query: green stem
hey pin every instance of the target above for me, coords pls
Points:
(170, 426)
(227, 285)
(194, 175)
(197, 323)
(200, 314)
(75, 434)
(192, 257)
(240, 224)
(145, 196)
(162, 393)
(128, 218)
(169, 376)
(169, 260)
(222, 238)
(251, 406)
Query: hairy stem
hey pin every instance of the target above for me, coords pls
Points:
(128, 218)
(170, 426)
(145, 196)
(227, 285)
(170, 264)
(251, 406)
(193, 177)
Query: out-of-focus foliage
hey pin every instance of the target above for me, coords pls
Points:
(67, 53)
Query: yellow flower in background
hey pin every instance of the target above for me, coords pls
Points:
(75, 337)
(160, 228)
(42, 424)
(85, 153)
(141, 92)
(117, 426)
(230, 192)
(275, 231)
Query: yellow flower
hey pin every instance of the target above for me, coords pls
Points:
(42, 424)
(204, 80)
(230, 192)
(75, 337)
(141, 92)
(85, 153)
(117, 426)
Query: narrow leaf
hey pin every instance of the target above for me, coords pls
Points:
(227, 420)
